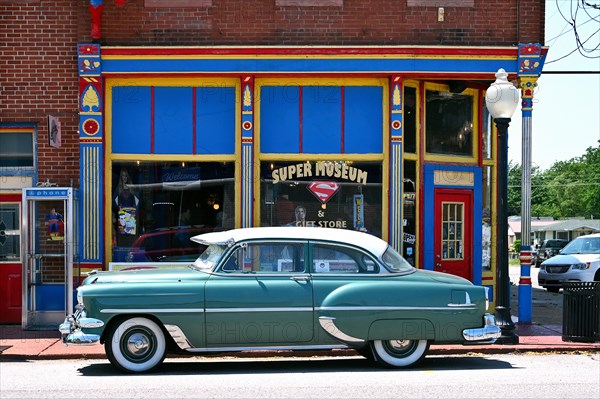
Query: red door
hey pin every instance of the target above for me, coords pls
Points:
(454, 232)
(10, 259)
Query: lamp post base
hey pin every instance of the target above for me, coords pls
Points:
(507, 327)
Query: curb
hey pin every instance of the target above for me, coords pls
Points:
(433, 351)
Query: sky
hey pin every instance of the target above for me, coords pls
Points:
(566, 108)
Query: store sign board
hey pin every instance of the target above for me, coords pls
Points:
(333, 170)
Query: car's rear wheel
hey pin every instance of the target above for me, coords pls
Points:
(401, 352)
(136, 345)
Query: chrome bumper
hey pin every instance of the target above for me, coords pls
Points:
(485, 335)
(71, 332)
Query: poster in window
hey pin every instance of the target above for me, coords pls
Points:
(127, 220)
(54, 132)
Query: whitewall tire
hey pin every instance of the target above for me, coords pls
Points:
(400, 353)
(136, 345)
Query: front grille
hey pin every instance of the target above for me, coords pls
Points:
(558, 269)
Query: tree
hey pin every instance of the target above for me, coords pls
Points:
(568, 189)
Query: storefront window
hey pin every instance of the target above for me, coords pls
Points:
(409, 215)
(158, 206)
(410, 120)
(340, 194)
(486, 220)
(487, 134)
(449, 123)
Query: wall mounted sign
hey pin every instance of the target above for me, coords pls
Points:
(54, 132)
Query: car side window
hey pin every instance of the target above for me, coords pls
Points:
(266, 257)
(334, 260)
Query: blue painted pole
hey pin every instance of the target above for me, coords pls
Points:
(525, 299)
(525, 289)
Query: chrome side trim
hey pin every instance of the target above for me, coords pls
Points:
(254, 310)
(370, 308)
(149, 310)
(267, 348)
(178, 336)
(451, 307)
(327, 324)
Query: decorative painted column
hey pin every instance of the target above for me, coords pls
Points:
(528, 73)
(96, 7)
(395, 162)
(91, 107)
(247, 151)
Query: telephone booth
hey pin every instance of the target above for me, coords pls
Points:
(47, 253)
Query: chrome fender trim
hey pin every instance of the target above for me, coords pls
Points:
(327, 324)
(488, 333)
(178, 336)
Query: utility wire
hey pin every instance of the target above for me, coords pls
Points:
(580, 43)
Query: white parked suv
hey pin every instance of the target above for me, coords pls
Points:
(579, 260)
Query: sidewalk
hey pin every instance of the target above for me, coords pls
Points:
(45, 345)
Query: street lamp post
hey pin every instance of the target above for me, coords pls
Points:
(501, 100)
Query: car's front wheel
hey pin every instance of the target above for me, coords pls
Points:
(401, 352)
(553, 289)
(136, 345)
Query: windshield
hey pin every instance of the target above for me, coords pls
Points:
(583, 245)
(395, 262)
(210, 257)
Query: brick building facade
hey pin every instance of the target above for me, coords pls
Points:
(360, 75)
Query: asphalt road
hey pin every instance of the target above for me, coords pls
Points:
(467, 376)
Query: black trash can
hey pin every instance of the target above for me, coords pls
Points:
(581, 312)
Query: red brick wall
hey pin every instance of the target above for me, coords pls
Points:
(357, 22)
(38, 77)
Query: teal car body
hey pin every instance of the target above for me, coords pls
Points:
(280, 288)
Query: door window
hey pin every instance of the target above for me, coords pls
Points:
(10, 243)
(266, 257)
(452, 230)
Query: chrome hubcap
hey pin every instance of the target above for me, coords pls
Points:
(399, 345)
(138, 344)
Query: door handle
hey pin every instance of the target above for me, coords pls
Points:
(300, 278)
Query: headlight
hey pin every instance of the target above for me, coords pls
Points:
(581, 266)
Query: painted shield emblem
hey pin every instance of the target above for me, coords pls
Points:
(323, 190)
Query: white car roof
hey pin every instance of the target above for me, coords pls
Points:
(369, 242)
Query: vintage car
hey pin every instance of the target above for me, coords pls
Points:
(279, 288)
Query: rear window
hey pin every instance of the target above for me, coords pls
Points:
(555, 244)
(395, 262)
